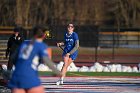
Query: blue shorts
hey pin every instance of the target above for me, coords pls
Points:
(72, 56)
(23, 82)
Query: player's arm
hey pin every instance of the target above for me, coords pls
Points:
(75, 47)
(51, 65)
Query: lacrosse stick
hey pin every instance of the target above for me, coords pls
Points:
(61, 48)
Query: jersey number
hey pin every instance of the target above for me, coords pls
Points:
(26, 51)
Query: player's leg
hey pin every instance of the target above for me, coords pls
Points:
(63, 71)
(17, 90)
(70, 61)
(65, 66)
(38, 89)
(67, 62)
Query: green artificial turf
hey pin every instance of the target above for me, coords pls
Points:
(43, 73)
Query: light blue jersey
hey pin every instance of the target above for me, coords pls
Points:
(25, 74)
(70, 40)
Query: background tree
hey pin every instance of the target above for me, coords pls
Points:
(126, 13)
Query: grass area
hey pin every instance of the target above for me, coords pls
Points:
(43, 73)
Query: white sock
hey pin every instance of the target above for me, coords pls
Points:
(62, 78)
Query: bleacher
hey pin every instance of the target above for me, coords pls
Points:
(3, 46)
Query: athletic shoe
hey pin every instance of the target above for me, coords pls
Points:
(59, 82)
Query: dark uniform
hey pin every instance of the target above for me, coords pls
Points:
(13, 43)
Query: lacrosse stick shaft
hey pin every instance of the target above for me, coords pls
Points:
(61, 48)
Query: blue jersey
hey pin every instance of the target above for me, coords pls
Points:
(25, 74)
(70, 40)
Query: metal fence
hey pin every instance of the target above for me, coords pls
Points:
(90, 36)
(115, 42)
(93, 36)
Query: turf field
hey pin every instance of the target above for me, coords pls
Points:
(92, 85)
(89, 85)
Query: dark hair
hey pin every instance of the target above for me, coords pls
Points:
(38, 31)
(18, 29)
(70, 23)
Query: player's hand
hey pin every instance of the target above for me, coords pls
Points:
(59, 44)
(68, 54)
(18, 38)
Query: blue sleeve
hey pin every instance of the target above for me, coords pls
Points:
(76, 36)
(43, 51)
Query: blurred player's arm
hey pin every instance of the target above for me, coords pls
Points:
(75, 47)
(51, 65)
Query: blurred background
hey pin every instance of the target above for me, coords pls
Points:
(109, 30)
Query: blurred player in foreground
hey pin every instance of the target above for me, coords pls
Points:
(70, 51)
(25, 77)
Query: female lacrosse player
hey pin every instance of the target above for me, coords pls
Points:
(70, 52)
(25, 78)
